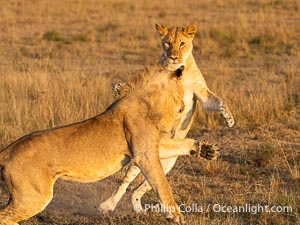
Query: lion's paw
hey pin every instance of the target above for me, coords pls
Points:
(117, 89)
(207, 151)
(106, 207)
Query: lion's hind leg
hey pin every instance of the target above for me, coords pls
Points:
(27, 197)
(111, 203)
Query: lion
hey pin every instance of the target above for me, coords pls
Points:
(135, 130)
(177, 49)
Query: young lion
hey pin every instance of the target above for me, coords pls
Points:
(177, 52)
(135, 129)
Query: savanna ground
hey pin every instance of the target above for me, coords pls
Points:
(58, 60)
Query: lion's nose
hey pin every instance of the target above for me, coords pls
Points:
(174, 58)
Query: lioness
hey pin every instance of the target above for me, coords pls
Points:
(135, 129)
(177, 52)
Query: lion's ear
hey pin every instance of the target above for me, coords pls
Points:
(162, 30)
(190, 31)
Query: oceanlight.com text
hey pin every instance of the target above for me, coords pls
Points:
(218, 208)
(253, 209)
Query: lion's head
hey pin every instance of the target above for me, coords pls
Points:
(176, 44)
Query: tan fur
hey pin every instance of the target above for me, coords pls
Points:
(177, 52)
(176, 45)
(130, 130)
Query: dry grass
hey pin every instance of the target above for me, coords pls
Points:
(58, 60)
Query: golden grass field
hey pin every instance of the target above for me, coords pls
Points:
(58, 60)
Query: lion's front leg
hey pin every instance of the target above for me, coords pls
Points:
(144, 144)
(211, 102)
(169, 148)
(224, 110)
(155, 175)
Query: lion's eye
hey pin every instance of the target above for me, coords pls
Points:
(167, 45)
(182, 44)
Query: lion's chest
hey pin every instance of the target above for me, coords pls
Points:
(187, 116)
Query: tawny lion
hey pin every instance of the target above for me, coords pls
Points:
(177, 52)
(135, 129)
